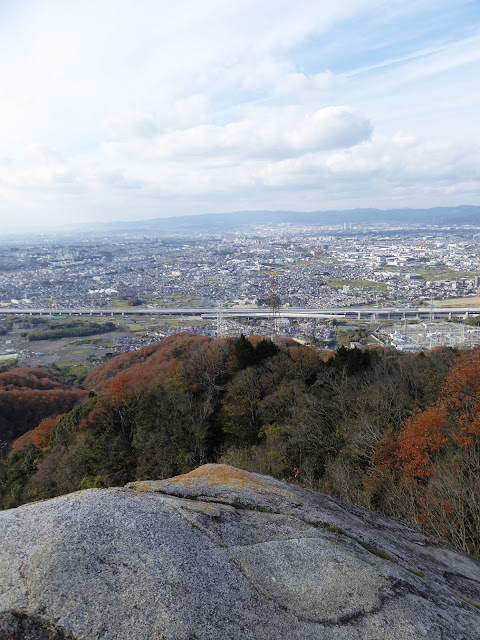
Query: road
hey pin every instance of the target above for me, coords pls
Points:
(347, 313)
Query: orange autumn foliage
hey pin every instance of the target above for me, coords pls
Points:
(41, 433)
(421, 439)
(462, 398)
(383, 463)
(148, 363)
(22, 408)
(454, 419)
(25, 378)
(386, 451)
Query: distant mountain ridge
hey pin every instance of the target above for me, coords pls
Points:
(242, 220)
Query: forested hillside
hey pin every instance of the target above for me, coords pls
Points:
(29, 395)
(399, 433)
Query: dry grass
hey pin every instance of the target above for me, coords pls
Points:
(458, 302)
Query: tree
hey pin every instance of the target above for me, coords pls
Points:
(422, 439)
(244, 352)
(41, 433)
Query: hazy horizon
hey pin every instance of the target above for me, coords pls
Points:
(228, 221)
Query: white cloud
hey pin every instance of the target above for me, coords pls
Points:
(193, 109)
(282, 77)
(110, 107)
(45, 153)
(282, 133)
(117, 178)
(225, 170)
(132, 125)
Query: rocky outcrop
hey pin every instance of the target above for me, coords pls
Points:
(225, 554)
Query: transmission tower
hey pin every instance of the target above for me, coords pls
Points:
(374, 317)
(221, 324)
(274, 301)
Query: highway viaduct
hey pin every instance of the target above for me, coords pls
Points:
(339, 313)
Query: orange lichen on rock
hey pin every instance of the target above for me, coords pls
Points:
(149, 485)
(216, 475)
(210, 479)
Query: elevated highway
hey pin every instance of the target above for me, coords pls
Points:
(339, 313)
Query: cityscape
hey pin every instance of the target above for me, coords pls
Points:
(239, 320)
(270, 268)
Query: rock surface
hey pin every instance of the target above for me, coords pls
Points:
(222, 554)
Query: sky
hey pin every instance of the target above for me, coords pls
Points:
(121, 110)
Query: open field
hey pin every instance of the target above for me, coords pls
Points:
(443, 273)
(458, 302)
(315, 263)
(170, 300)
(432, 273)
(8, 356)
(119, 304)
(338, 282)
(68, 350)
(132, 332)
(175, 322)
